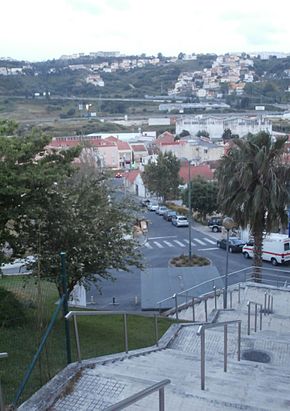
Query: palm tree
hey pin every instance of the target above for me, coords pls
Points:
(253, 187)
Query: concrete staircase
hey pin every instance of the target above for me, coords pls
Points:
(247, 385)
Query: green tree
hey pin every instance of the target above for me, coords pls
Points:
(203, 196)
(162, 178)
(83, 218)
(27, 170)
(202, 133)
(253, 187)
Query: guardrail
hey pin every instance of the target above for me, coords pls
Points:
(201, 332)
(256, 305)
(2, 406)
(75, 314)
(270, 276)
(142, 394)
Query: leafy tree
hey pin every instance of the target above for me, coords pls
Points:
(227, 134)
(253, 187)
(202, 133)
(27, 170)
(83, 218)
(162, 177)
(203, 196)
(184, 133)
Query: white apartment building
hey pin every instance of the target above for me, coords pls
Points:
(215, 126)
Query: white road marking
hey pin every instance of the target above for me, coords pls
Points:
(208, 249)
(199, 241)
(148, 245)
(192, 244)
(168, 243)
(160, 238)
(209, 241)
(158, 244)
(179, 243)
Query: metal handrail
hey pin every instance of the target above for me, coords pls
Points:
(249, 304)
(142, 394)
(201, 332)
(284, 279)
(75, 314)
(2, 406)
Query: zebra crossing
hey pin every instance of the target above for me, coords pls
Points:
(159, 242)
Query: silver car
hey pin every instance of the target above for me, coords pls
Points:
(180, 221)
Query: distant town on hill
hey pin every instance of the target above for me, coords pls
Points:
(240, 81)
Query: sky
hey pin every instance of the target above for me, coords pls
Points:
(37, 30)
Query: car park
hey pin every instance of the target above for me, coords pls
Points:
(180, 221)
(169, 214)
(235, 244)
(215, 224)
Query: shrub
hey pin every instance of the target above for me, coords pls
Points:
(11, 310)
(185, 261)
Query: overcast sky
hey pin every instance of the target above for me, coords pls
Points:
(37, 30)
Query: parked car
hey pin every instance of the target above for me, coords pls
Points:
(161, 210)
(180, 221)
(153, 206)
(169, 214)
(215, 224)
(235, 244)
(144, 202)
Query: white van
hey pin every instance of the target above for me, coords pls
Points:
(276, 249)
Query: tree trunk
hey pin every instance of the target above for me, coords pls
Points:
(257, 260)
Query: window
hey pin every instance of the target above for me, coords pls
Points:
(286, 246)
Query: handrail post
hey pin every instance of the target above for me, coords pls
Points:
(231, 299)
(205, 309)
(256, 315)
(272, 304)
(2, 407)
(239, 293)
(261, 316)
(161, 399)
(265, 304)
(156, 330)
(126, 333)
(239, 340)
(249, 317)
(193, 310)
(65, 306)
(215, 302)
(225, 347)
(176, 306)
(77, 338)
(202, 359)
(269, 303)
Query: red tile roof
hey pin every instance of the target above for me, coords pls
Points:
(131, 175)
(122, 145)
(166, 137)
(73, 143)
(138, 147)
(202, 170)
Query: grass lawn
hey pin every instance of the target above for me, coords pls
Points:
(99, 335)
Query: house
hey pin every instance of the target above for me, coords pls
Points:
(139, 151)
(125, 151)
(189, 173)
(134, 183)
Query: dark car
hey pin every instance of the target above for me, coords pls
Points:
(235, 244)
(169, 214)
(215, 224)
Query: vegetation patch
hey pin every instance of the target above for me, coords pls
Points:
(11, 309)
(186, 261)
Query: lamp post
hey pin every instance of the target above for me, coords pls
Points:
(189, 212)
(228, 223)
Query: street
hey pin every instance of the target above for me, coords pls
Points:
(164, 241)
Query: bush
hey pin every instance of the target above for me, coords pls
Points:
(185, 261)
(11, 310)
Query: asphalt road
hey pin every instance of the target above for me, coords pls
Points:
(163, 242)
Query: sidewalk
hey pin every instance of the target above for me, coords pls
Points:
(204, 229)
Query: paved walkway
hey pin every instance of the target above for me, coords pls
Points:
(247, 385)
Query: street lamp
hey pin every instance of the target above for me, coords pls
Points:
(189, 212)
(228, 223)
